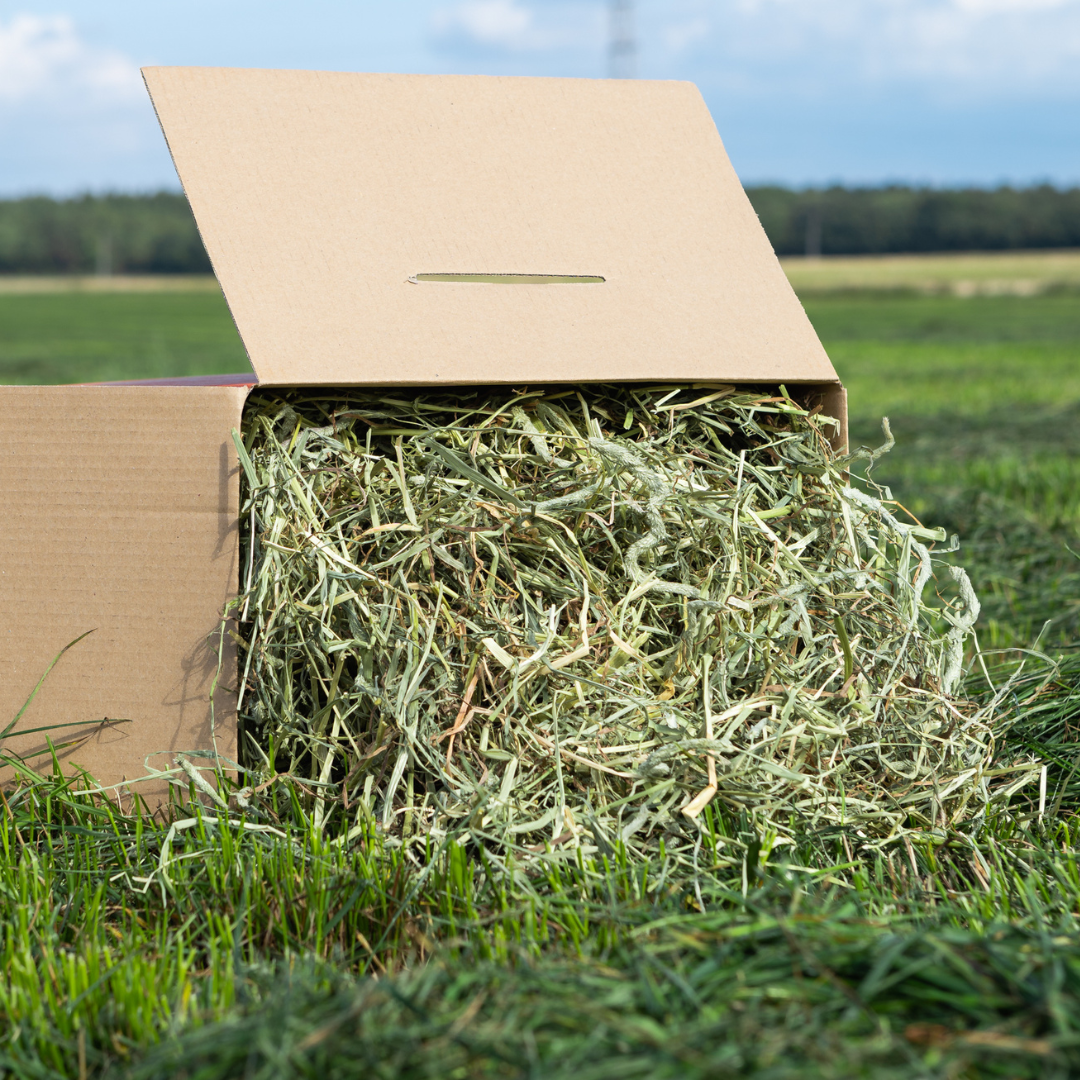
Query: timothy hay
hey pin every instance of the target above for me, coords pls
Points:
(562, 617)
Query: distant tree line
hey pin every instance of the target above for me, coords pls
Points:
(156, 234)
(881, 220)
(107, 234)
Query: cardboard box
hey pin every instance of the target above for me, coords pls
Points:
(328, 204)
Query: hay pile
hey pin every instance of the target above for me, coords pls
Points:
(570, 616)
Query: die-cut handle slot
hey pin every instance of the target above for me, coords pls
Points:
(511, 279)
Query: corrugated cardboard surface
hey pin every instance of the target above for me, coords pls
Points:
(319, 195)
(120, 517)
(833, 401)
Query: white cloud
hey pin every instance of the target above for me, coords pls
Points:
(501, 23)
(944, 49)
(958, 48)
(511, 26)
(73, 115)
(43, 59)
(990, 7)
(985, 46)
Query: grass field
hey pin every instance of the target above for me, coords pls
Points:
(983, 394)
(983, 273)
(63, 337)
(216, 949)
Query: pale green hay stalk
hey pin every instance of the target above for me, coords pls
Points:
(492, 611)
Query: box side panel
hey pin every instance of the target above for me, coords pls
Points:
(832, 397)
(836, 399)
(121, 520)
(322, 196)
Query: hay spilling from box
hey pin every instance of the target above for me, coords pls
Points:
(583, 615)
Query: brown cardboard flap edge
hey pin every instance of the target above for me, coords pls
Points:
(326, 199)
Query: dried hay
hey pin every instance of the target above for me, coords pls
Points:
(571, 616)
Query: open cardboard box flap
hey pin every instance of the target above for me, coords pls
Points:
(324, 200)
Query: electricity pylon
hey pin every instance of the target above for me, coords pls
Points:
(622, 47)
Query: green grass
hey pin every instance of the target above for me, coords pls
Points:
(907, 355)
(984, 399)
(216, 951)
(930, 319)
(97, 337)
(227, 951)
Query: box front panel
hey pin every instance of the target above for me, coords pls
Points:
(119, 523)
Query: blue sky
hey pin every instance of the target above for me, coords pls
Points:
(803, 91)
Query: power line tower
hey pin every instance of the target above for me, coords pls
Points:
(622, 46)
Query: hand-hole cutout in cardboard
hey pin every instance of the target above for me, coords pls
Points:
(512, 279)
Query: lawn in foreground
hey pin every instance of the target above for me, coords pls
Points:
(219, 949)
